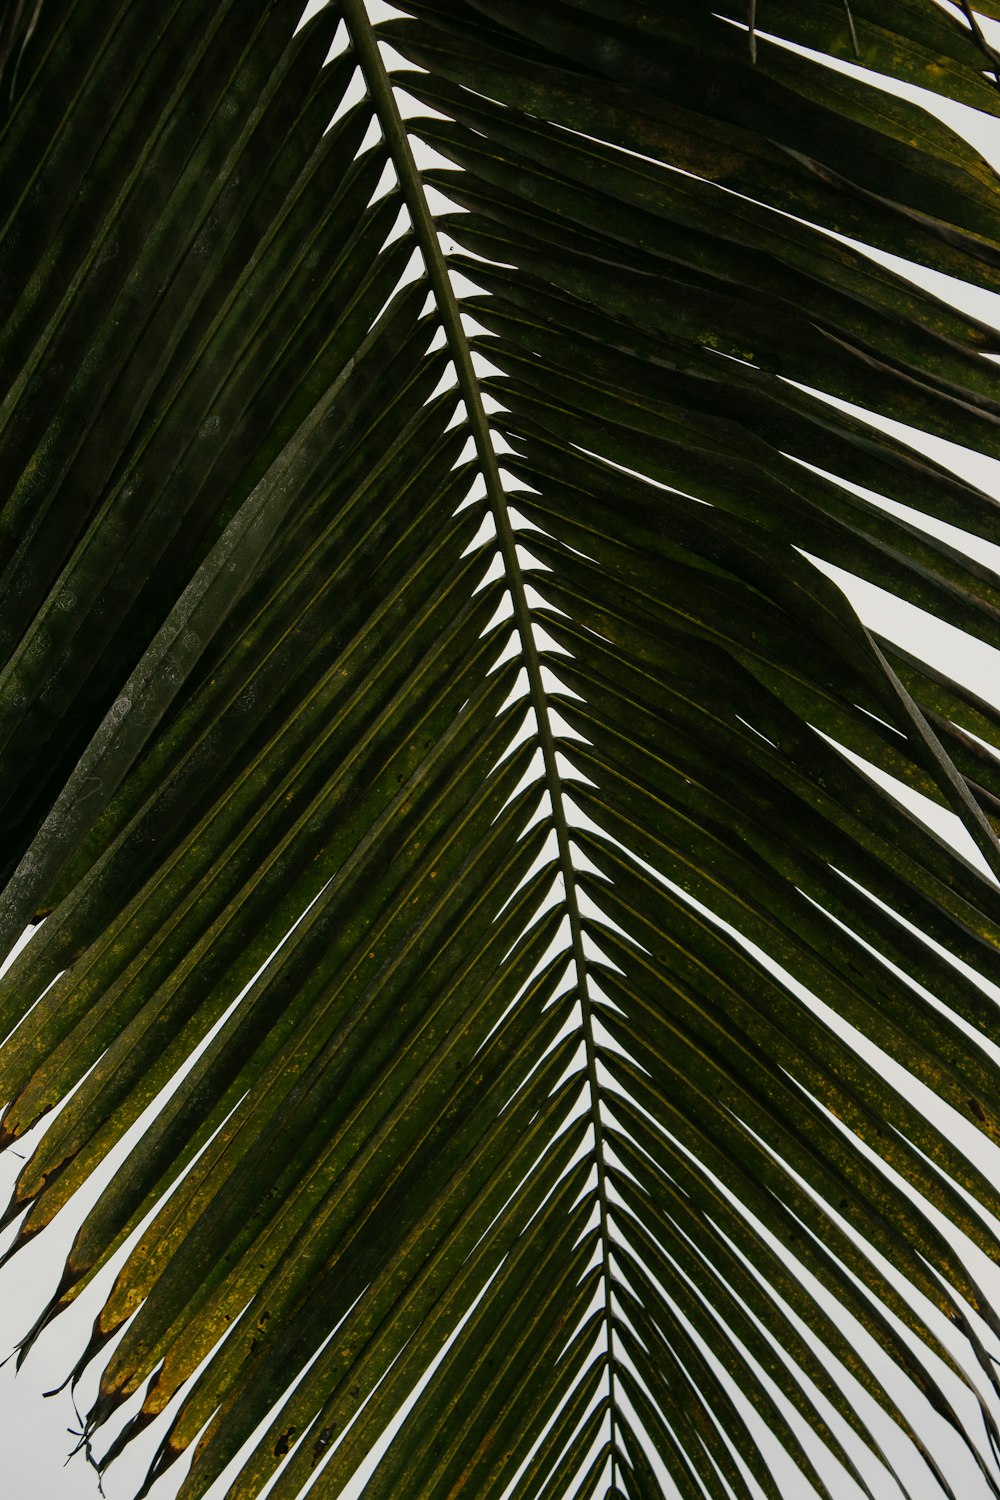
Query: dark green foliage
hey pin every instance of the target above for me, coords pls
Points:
(415, 700)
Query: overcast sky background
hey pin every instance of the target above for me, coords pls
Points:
(34, 1430)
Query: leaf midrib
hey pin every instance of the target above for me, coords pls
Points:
(383, 99)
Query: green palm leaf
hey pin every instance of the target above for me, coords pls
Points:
(460, 820)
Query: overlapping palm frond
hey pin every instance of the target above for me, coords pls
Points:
(454, 794)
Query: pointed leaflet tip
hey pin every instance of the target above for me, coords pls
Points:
(850, 23)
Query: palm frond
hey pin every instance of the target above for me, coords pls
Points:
(464, 826)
